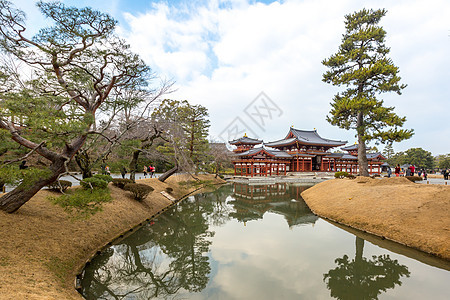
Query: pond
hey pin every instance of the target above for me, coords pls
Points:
(257, 242)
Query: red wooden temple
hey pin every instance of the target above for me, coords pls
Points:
(299, 151)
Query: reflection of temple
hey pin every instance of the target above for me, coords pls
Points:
(253, 201)
(299, 151)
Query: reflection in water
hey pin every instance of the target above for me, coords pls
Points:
(363, 278)
(253, 201)
(174, 257)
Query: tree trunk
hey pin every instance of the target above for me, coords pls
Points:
(362, 154)
(133, 164)
(169, 173)
(84, 163)
(13, 200)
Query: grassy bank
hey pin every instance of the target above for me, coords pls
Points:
(396, 209)
(43, 247)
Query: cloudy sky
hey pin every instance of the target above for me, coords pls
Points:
(256, 65)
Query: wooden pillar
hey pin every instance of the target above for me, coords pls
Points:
(251, 172)
(310, 167)
(321, 163)
(297, 164)
(303, 164)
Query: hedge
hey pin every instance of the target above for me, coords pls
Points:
(139, 191)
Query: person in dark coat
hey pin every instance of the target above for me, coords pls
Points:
(123, 172)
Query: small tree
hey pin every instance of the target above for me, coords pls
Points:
(388, 151)
(362, 65)
(185, 131)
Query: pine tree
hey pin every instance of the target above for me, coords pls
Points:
(363, 67)
(388, 151)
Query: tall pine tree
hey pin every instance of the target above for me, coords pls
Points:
(362, 65)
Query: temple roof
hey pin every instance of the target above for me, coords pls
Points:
(245, 140)
(350, 148)
(271, 152)
(369, 156)
(305, 137)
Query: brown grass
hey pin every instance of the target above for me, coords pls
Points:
(415, 215)
(43, 248)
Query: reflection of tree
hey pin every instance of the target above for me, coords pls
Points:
(362, 278)
(160, 260)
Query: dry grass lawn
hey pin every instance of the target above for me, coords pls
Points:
(415, 215)
(43, 248)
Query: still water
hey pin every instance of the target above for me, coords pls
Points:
(257, 242)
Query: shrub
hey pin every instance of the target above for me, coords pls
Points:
(62, 185)
(106, 178)
(139, 191)
(414, 178)
(343, 174)
(121, 182)
(94, 183)
(83, 203)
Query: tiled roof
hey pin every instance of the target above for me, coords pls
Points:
(274, 152)
(350, 148)
(305, 137)
(245, 140)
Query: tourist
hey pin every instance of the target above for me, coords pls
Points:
(424, 174)
(152, 171)
(419, 173)
(446, 172)
(123, 172)
(145, 171)
(412, 169)
(397, 170)
(408, 172)
(107, 170)
(389, 172)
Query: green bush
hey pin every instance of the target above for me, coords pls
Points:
(106, 178)
(139, 191)
(94, 183)
(343, 174)
(414, 178)
(120, 183)
(62, 185)
(83, 203)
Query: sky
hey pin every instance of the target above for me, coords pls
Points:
(256, 65)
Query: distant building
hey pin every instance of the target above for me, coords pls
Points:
(299, 151)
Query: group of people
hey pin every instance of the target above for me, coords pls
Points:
(123, 171)
(408, 172)
(150, 170)
(446, 172)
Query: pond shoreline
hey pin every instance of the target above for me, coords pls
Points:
(46, 248)
(396, 209)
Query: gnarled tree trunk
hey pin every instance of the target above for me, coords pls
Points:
(169, 173)
(13, 200)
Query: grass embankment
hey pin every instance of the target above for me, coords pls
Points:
(415, 215)
(43, 247)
